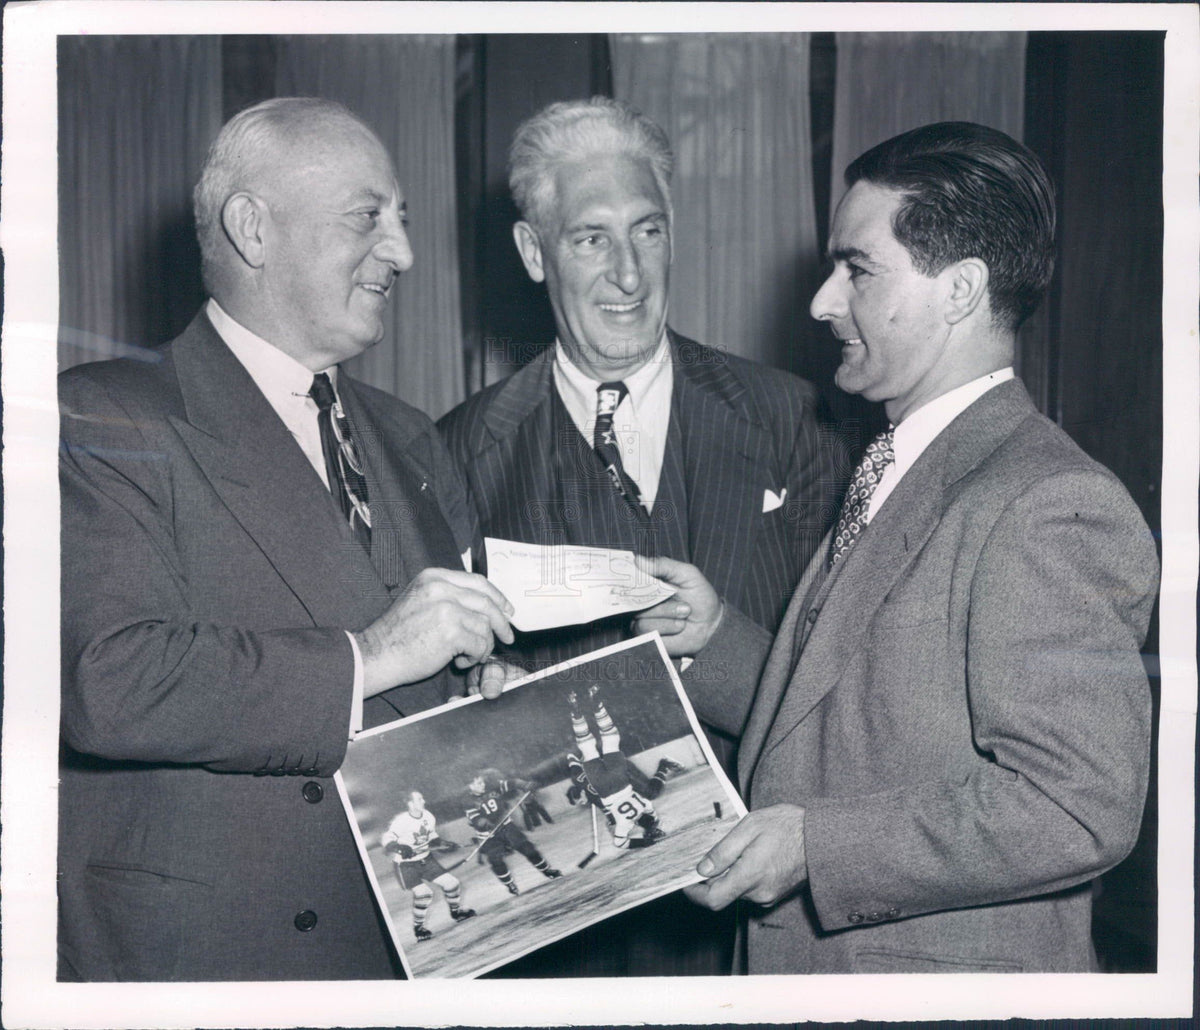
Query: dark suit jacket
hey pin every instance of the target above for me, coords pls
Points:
(961, 709)
(737, 429)
(207, 580)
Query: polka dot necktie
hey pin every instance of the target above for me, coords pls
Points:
(343, 465)
(855, 508)
(608, 399)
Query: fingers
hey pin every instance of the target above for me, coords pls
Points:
(470, 592)
(705, 894)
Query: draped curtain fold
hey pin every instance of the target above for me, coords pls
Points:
(135, 117)
(889, 82)
(403, 87)
(736, 109)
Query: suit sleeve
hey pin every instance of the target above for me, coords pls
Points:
(722, 679)
(1060, 597)
(146, 680)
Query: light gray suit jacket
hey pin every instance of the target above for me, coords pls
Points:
(961, 709)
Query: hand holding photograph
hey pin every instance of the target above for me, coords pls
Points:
(489, 829)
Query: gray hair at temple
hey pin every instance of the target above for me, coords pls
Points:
(571, 130)
(970, 191)
(249, 140)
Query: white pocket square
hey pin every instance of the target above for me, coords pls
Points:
(773, 500)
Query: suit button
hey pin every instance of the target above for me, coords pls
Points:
(313, 792)
(893, 913)
(874, 917)
(812, 614)
(305, 920)
(855, 918)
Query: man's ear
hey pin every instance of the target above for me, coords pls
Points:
(968, 282)
(242, 218)
(530, 249)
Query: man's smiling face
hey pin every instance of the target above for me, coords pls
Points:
(606, 255)
(888, 315)
(336, 243)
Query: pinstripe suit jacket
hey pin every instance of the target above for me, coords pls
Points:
(737, 429)
(961, 709)
(207, 579)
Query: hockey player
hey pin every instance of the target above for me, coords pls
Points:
(490, 803)
(603, 773)
(408, 841)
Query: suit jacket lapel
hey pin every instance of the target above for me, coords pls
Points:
(266, 482)
(849, 600)
(725, 447)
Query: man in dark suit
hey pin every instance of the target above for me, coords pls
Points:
(625, 434)
(259, 555)
(951, 735)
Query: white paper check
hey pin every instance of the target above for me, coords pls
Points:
(562, 585)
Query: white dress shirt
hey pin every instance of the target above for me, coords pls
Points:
(922, 426)
(285, 384)
(640, 422)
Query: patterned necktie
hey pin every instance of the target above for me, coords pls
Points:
(853, 519)
(343, 466)
(608, 399)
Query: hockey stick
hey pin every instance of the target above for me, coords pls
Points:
(595, 839)
(508, 815)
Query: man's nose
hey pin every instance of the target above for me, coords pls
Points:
(394, 247)
(830, 300)
(626, 268)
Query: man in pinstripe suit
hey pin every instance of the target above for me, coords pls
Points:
(626, 434)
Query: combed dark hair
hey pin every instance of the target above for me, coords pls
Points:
(572, 129)
(970, 191)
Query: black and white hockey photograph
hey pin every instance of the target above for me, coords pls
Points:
(491, 828)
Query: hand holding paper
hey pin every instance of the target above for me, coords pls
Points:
(562, 584)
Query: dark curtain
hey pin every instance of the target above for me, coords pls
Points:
(403, 86)
(736, 109)
(135, 117)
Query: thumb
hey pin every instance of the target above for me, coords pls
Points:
(726, 851)
(661, 567)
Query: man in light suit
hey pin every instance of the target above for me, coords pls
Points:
(259, 555)
(710, 458)
(951, 735)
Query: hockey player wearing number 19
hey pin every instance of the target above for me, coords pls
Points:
(408, 841)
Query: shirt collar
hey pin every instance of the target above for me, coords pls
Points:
(576, 384)
(919, 429)
(278, 375)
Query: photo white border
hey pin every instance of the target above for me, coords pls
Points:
(30, 995)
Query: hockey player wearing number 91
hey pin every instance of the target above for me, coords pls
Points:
(408, 841)
(605, 774)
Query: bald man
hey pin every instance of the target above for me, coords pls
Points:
(259, 557)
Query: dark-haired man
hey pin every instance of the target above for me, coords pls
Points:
(951, 736)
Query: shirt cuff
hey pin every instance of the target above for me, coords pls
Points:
(356, 700)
